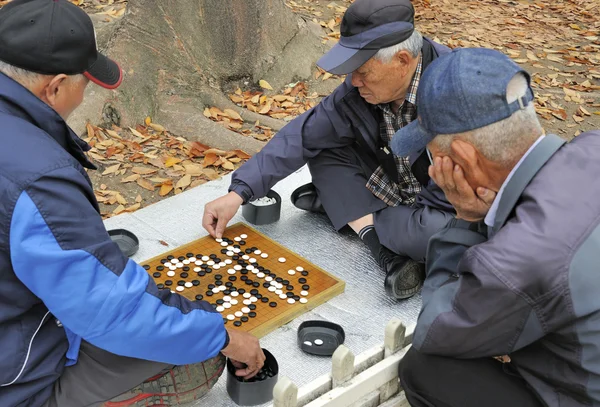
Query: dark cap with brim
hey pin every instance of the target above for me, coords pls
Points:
(52, 37)
(367, 27)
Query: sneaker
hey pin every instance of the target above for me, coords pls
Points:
(306, 198)
(178, 386)
(403, 276)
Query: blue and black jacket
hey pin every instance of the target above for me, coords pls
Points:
(62, 279)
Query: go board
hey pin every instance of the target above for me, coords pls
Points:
(254, 282)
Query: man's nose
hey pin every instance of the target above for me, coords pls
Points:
(357, 81)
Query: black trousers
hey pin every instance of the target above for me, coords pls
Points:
(436, 381)
(340, 176)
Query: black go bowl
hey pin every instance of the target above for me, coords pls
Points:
(263, 215)
(256, 391)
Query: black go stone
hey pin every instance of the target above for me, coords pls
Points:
(219, 283)
(217, 260)
(227, 292)
(241, 291)
(258, 296)
(188, 255)
(252, 307)
(181, 282)
(249, 282)
(160, 268)
(170, 257)
(296, 297)
(218, 277)
(272, 304)
(160, 286)
(264, 299)
(289, 294)
(244, 278)
(168, 283)
(211, 286)
(302, 280)
(252, 314)
(254, 248)
(224, 251)
(198, 256)
(196, 282)
(236, 246)
(261, 268)
(244, 271)
(181, 258)
(289, 287)
(224, 320)
(305, 273)
(208, 270)
(235, 257)
(266, 285)
(209, 293)
(199, 297)
(220, 302)
(185, 268)
(232, 278)
(163, 261)
(184, 275)
(146, 267)
(285, 282)
(248, 251)
(213, 256)
(204, 266)
(254, 291)
(242, 242)
(244, 319)
(241, 262)
(156, 275)
(233, 288)
(256, 284)
(306, 287)
(201, 273)
(279, 279)
(229, 284)
(237, 323)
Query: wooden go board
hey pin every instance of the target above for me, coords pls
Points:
(253, 286)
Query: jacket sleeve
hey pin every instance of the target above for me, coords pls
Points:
(322, 127)
(468, 311)
(61, 251)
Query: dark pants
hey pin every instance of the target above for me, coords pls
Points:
(99, 376)
(436, 381)
(340, 176)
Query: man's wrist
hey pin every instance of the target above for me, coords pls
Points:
(242, 190)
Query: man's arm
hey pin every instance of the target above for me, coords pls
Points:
(61, 251)
(468, 311)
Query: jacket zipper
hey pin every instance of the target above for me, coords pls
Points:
(28, 352)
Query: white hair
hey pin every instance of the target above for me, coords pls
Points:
(412, 45)
(503, 142)
(25, 77)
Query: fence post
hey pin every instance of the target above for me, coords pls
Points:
(395, 332)
(342, 366)
(285, 393)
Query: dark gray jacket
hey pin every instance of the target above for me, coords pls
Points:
(530, 286)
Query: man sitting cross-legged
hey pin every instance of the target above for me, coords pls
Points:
(517, 273)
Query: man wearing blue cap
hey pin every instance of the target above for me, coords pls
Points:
(388, 201)
(516, 273)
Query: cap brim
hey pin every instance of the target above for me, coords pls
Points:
(410, 139)
(105, 72)
(342, 60)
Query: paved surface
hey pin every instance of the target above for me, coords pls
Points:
(363, 310)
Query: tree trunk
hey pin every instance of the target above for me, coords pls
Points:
(178, 55)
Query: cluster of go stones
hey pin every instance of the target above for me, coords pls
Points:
(240, 267)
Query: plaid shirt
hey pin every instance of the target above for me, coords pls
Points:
(405, 191)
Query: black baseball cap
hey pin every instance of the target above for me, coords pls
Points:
(367, 27)
(51, 37)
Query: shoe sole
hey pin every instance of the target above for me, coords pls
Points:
(391, 281)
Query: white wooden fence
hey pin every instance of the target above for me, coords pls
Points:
(367, 380)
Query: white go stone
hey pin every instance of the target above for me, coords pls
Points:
(224, 244)
(278, 292)
(216, 267)
(180, 288)
(220, 308)
(291, 272)
(179, 265)
(304, 293)
(235, 294)
(227, 298)
(244, 236)
(222, 264)
(237, 238)
(255, 271)
(216, 290)
(260, 275)
(236, 250)
(279, 286)
(205, 258)
(170, 273)
(291, 301)
(197, 269)
(283, 296)
(245, 310)
(318, 342)
(173, 292)
(229, 253)
(230, 248)
(237, 267)
(210, 263)
(188, 285)
(231, 271)
(272, 289)
(239, 314)
(222, 288)
(227, 305)
(253, 299)
(230, 317)
(186, 262)
(268, 278)
(192, 259)
(198, 262)
(252, 260)
(247, 295)
(257, 252)
(174, 261)
(303, 300)
(246, 302)
(282, 260)
(299, 268)
(245, 257)
(228, 261)
(234, 302)
(264, 255)
(172, 267)
(249, 267)
(218, 240)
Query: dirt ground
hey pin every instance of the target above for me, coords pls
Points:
(558, 42)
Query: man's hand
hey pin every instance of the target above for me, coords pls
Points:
(470, 205)
(245, 353)
(219, 212)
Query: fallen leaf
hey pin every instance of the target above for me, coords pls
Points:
(209, 159)
(233, 114)
(578, 119)
(112, 169)
(213, 174)
(120, 199)
(228, 165)
(133, 207)
(163, 242)
(242, 154)
(144, 183)
(165, 189)
(157, 162)
(193, 169)
(584, 111)
(138, 198)
(171, 161)
(147, 121)
(136, 133)
(118, 209)
(264, 84)
(130, 178)
(156, 127)
(143, 170)
(185, 181)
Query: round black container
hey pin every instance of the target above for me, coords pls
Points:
(252, 393)
(127, 241)
(332, 335)
(263, 215)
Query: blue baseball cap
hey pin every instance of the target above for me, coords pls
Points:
(459, 92)
(367, 27)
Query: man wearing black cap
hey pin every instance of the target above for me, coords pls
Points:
(388, 201)
(79, 322)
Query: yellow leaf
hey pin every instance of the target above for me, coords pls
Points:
(113, 133)
(264, 84)
(143, 170)
(327, 76)
(233, 114)
(532, 56)
(144, 183)
(130, 178)
(228, 165)
(207, 112)
(265, 109)
(242, 154)
(147, 121)
(185, 181)
(584, 111)
(120, 199)
(256, 99)
(165, 189)
(111, 169)
(136, 133)
(171, 161)
(193, 169)
(156, 127)
(575, 27)
(215, 151)
(209, 159)
(236, 98)
(119, 209)
(138, 198)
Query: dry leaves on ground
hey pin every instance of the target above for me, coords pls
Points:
(155, 160)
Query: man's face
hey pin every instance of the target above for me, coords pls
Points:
(380, 83)
(63, 93)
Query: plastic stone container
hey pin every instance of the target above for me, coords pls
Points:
(331, 336)
(252, 393)
(263, 215)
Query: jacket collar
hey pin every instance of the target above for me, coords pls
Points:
(528, 169)
(18, 101)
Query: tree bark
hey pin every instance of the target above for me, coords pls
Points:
(178, 55)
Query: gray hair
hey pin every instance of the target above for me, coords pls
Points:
(412, 45)
(25, 77)
(503, 142)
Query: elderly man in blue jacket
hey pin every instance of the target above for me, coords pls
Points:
(79, 322)
(515, 276)
(388, 201)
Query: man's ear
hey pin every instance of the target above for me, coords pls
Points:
(465, 155)
(403, 59)
(51, 91)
